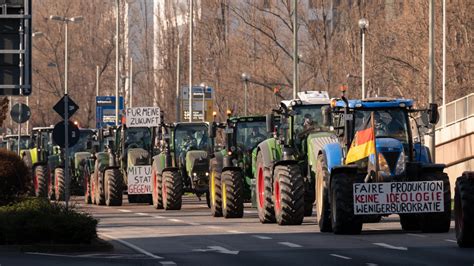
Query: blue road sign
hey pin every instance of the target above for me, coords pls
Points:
(105, 111)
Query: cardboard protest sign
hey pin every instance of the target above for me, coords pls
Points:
(139, 179)
(143, 117)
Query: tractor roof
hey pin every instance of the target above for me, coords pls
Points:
(378, 102)
(43, 128)
(250, 118)
(191, 124)
(15, 136)
(310, 98)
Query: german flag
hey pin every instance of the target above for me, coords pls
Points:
(363, 143)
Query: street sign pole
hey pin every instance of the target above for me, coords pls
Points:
(19, 133)
(66, 148)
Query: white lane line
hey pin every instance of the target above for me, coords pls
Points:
(132, 246)
(371, 264)
(141, 213)
(289, 244)
(450, 240)
(193, 223)
(213, 227)
(250, 212)
(384, 245)
(417, 235)
(262, 237)
(175, 220)
(122, 210)
(234, 232)
(167, 263)
(159, 217)
(340, 256)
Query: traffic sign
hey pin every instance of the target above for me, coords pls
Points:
(20, 113)
(59, 134)
(105, 110)
(72, 107)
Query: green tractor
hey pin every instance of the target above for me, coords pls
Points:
(11, 143)
(78, 155)
(231, 178)
(284, 165)
(130, 151)
(182, 165)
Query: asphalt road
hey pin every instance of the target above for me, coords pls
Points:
(145, 236)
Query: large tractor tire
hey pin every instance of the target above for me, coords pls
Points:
(99, 189)
(40, 181)
(438, 222)
(288, 194)
(215, 189)
(113, 187)
(232, 194)
(87, 188)
(323, 209)
(156, 188)
(309, 193)
(172, 190)
(59, 184)
(342, 205)
(464, 211)
(266, 212)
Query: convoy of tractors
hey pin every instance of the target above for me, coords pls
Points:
(355, 161)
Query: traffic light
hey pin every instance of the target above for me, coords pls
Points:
(15, 47)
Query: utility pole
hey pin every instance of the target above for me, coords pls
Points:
(431, 91)
(444, 64)
(295, 48)
(97, 81)
(117, 50)
(130, 81)
(178, 59)
(191, 11)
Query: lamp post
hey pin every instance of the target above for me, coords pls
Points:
(363, 25)
(295, 48)
(66, 21)
(245, 79)
(204, 86)
(191, 11)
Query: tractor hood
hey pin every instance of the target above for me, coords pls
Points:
(196, 161)
(389, 151)
(137, 156)
(79, 157)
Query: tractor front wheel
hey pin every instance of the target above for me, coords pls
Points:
(156, 189)
(266, 212)
(438, 222)
(40, 181)
(323, 210)
(113, 187)
(342, 205)
(232, 194)
(215, 190)
(172, 190)
(288, 194)
(464, 211)
(59, 184)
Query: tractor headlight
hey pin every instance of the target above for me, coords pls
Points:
(194, 174)
(384, 169)
(207, 174)
(400, 168)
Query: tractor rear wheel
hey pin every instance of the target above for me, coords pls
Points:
(464, 211)
(266, 212)
(113, 187)
(172, 190)
(232, 194)
(59, 184)
(323, 209)
(156, 189)
(40, 181)
(288, 194)
(215, 189)
(438, 222)
(342, 205)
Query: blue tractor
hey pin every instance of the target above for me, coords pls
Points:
(397, 177)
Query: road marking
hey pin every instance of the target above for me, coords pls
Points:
(250, 212)
(262, 237)
(175, 220)
(218, 249)
(289, 244)
(390, 246)
(122, 210)
(168, 263)
(340, 256)
(193, 223)
(141, 213)
(159, 217)
(213, 227)
(450, 240)
(371, 264)
(132, 246)
(417, 235)
(235, 232)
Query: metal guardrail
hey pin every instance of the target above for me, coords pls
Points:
(456, 111)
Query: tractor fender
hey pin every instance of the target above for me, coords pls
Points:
(333, 152)
(315, 146)
(160, 162)
(422, 153)
(269, 152)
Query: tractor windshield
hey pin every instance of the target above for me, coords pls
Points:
(389, 123)
(81, 145)
(138, 137)
(24, 143)
(307, 116)
(191, 137)
(250, 134)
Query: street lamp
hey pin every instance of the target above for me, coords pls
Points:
(245, 79)
(363, 25)
(204, 86)
(66, 21)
